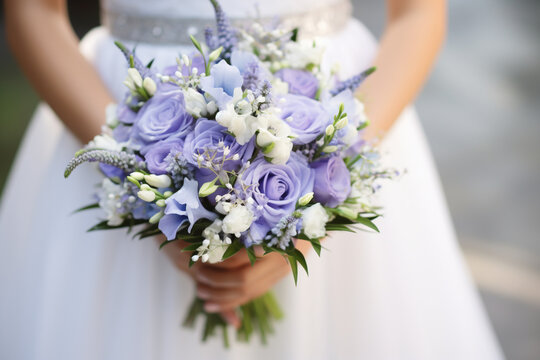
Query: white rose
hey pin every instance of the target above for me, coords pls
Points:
(314, 220)
(195, 103)
(238, 220)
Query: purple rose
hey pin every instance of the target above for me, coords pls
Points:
(125, 114)
(306, 117)
(276, 189)
(300, 82)
(207, 135)
(122, 133)
(332, 181)
(183, 206)
(162, 117)
(157, 154)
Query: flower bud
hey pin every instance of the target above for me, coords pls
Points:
(167, 194)
(330, 149)
(342, 123)
(137, 175)
(347, 212)
(161, 203)
(208, 188)
(330, 130)
(211, 107)
(195, 258)
(185, 60)
(204, 258)
(304, 200)
(146, 195)
(156, 217)
(129, 84)
(215, 54)
(135, 76)
(150, 86)
(146, 187)
(158, 181)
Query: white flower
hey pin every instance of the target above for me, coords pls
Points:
(110, 116)
(212, 248)
(279, 87)
(105, 142)
(146, 195)
(314, 220)
(351, 135)
(242, 125)
(274, 139)
(304, 200)
(158, 181)
(149, 85)
(110, 195)
(238, 220)
(300, 54)
(135, 77)
(195, 103)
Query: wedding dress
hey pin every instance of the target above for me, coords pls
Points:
(68, 294)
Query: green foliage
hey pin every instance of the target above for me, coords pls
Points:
(256, 317)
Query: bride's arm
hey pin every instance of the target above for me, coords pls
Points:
(409, 45)
(46, 48)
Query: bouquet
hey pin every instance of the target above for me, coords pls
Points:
(245, 142)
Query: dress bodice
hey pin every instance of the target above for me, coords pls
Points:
(172, 21)
(203, 8)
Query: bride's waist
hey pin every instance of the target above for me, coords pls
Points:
(155, 29)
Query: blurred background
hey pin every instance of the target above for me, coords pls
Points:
(481, 113)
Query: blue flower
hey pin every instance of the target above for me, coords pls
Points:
(221, 83)
(183, 206)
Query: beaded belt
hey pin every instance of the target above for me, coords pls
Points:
(142, 28)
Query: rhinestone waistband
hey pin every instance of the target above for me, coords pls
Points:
(161, 30)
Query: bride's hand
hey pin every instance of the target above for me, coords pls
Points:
(225, 286)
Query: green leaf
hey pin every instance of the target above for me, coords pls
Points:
(367, 222)
(294, 34)
(316, 244)
(301, 259)
(235, 247)
(192, 247)
(251, 255)
(87, 207)
(294, 268)
(338, 227)
(149, 65)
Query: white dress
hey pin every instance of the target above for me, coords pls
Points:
(67, 294)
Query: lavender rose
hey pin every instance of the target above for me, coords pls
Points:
(306, 117)
(156, 156)
(207, 135)
(276, 189)
(300, 82)
(125, 114)
(163, 116)
(332, 181)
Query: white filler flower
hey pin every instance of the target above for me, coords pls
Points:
(195, 103)
(314, 220)
(238, 220)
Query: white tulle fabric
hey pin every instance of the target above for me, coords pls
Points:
(67, 294)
